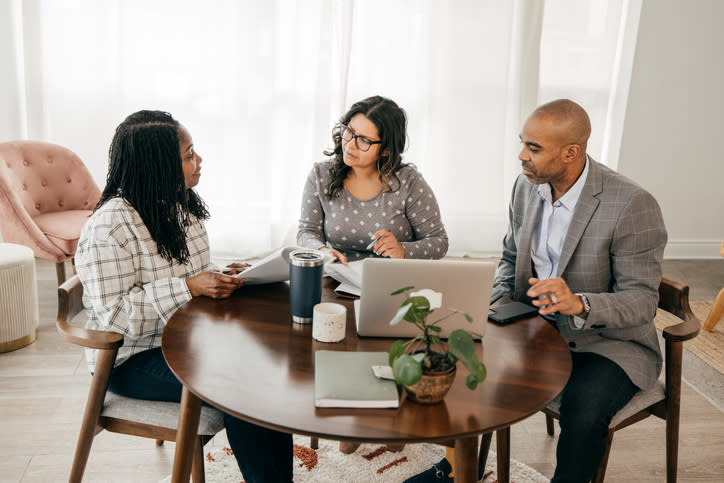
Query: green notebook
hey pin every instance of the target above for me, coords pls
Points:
(345, 380)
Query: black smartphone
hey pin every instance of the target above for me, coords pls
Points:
(505, 314)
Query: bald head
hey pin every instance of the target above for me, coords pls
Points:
(568, 120)
(553, 142)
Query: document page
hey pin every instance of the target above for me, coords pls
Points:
(273, 268)
(349, 277)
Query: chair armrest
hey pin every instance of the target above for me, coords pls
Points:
(674, 298)
(70, 304)
(94, 339)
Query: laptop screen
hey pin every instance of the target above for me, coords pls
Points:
(464, 284)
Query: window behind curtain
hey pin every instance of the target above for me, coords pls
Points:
(260, 84)
(578, 50)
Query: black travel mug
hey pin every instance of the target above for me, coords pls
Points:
(305, 283)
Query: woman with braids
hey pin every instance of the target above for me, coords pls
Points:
(365, 193)
(143, 254)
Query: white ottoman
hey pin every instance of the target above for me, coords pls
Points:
(18, 297)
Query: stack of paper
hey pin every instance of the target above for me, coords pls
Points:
(349, 276)
(273, 268)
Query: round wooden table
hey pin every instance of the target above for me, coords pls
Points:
(245, 356)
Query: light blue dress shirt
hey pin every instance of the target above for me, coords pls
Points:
(550, 233)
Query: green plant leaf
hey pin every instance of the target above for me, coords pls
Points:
(419, 311)
(418, 356)
(401, 312)
(479, 372)
(407, 370)
(434, 328)
(404, 289)
(396, 350)
(462, 346)
(419, 303)
(471, 381)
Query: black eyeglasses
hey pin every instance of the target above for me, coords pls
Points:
(363, 144)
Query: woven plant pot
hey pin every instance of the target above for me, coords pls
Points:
(432, 387)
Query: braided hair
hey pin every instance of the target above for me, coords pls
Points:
(145, 169)
(391, 123)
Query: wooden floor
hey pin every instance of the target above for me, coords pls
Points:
(43, 389)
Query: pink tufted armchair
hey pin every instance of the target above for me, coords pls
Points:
(46, 196)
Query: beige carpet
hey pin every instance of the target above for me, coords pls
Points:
(707, 346)
(703, 355)
(370, 463)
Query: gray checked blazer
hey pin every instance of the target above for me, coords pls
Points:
(612, 253)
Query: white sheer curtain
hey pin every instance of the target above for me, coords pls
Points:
(447, 64)
(260, 85)
(587, 55)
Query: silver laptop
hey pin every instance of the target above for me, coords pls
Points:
(465, 285)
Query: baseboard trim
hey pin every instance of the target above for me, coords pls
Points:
(687, 249)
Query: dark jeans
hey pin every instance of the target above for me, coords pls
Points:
(263, 455)
(595, 392)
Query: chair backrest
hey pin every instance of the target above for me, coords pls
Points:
(44, 177)
(46, 194)
(70, 304)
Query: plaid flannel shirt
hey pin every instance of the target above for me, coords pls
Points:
(128, 287)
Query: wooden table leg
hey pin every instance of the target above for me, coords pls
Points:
(188, 424)
(466, 460)
(483, 453)
(502, 442)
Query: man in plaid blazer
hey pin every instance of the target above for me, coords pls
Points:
(584, 244)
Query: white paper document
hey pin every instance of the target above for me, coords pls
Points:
(273, 268)
(349, 277)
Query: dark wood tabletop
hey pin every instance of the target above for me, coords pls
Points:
(245, 356)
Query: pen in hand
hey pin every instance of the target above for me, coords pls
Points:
(371, 245)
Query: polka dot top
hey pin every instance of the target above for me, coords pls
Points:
(347, 224)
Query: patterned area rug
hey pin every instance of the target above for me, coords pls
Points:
(708, 346)
(370, 463)
(703, 355)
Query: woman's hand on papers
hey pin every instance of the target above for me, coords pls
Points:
(213, 284)
(336, 254)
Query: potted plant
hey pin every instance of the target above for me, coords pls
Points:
(426, 364)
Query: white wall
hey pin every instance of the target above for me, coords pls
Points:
(673, 137)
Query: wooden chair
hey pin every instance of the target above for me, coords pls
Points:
(664, 399)
(119, 414)
(717, 310)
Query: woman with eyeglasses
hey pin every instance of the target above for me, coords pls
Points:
(365, 201)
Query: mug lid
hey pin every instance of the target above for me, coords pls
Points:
(306, 258)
